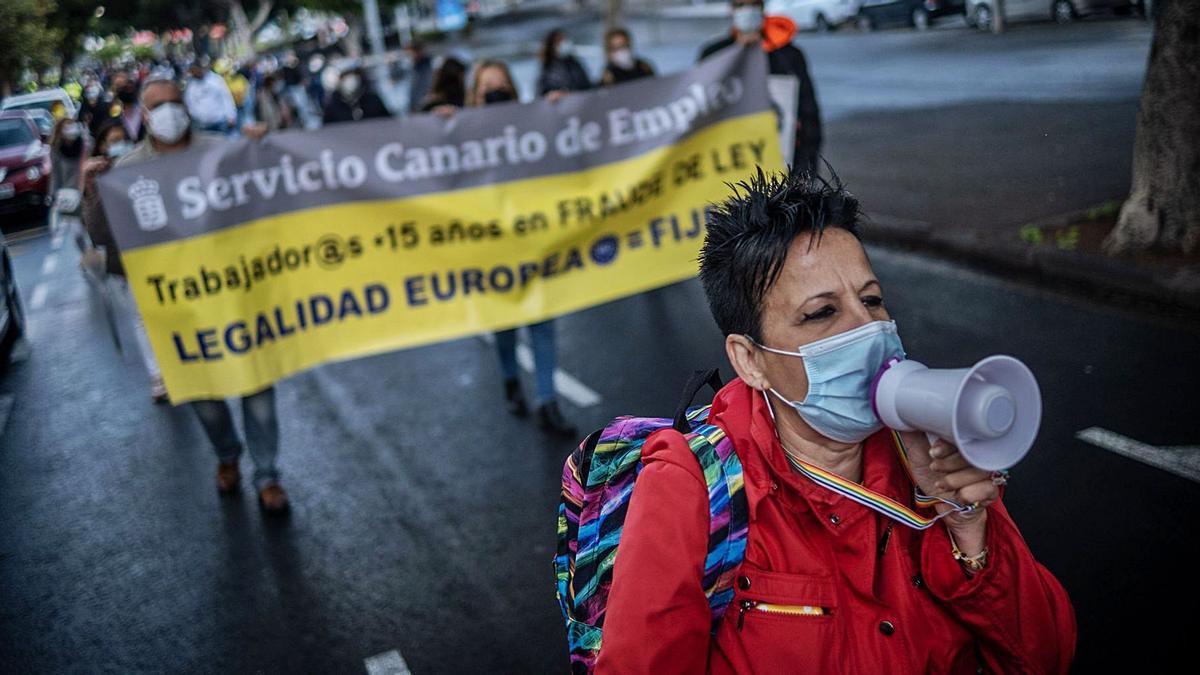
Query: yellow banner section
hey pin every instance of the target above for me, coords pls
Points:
(231, 312)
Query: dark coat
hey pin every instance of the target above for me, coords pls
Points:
(614, 74)
(564, 72)
(789, 60)
(366, 106)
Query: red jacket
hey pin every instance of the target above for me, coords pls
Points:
(895, 603)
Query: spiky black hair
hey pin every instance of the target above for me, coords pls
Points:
(750, 232)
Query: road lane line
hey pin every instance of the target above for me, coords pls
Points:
(387, 663)
(579, 394)
(1183, 461)
(49, 264)
(38, 298)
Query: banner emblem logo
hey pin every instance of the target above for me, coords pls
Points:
(148, 206)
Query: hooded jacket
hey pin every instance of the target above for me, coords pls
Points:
(827, 585)
(784, 58)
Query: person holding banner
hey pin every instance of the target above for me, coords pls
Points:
(865, 550)
(622, 65)
(493, 84)
(170, 131)
(353, 100)
(561, 71)
(112, 143)
(785, 60)
(449, 86)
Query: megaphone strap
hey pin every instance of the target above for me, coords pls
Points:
(876, 501)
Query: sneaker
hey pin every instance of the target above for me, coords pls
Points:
(228, 477)
(158, 390)
(550, 418)
(273, 500)
(515, 398)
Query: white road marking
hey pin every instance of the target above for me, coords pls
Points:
(567, 386)
(579, 394)
(50, 264)
(387, 663)
(38, 298)
(1183, 461)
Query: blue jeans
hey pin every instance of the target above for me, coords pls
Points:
(221, 128)
(542, 337)
(262, 432)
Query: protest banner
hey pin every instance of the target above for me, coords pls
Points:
(251, 261)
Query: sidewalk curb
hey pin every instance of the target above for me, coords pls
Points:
(1179, 288)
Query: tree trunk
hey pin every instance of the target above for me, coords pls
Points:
(242, 28)
(353, 38)
(999, 17)
(1163, 209)
(612, 18)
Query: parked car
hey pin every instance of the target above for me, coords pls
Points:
(24, 164)
(43, 120)
(980, 12)
(46, 99)
(12, 317)
(819, 15)
(919, 14)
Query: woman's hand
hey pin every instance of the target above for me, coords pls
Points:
(254, 130)
(92, 167)
(445, 111)
(556, 95)
(942, 471)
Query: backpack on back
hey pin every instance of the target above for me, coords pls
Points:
(597, 483)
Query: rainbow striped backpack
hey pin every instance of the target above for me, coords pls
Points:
(597, 483)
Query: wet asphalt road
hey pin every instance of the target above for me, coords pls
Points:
(423, 515)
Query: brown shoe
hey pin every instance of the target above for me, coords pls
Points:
(228, 477)
(273, 500)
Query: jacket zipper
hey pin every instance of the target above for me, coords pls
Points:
(771, 608)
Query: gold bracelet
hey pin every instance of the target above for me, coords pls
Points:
(973, 563)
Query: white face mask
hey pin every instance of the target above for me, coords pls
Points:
(168, 122)
(566, 48)
(841, 371)
(622, 58)
(748, 19)
(349, 85)
(70, 131)
(119, 149)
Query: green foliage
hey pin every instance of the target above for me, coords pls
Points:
(1108, 209)
(27, 39)
(1067, 239)
(112, 51)
(144, 52)
(1031, 234)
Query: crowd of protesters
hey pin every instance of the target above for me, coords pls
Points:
(134, 114)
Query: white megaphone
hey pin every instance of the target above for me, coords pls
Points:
(991, 411)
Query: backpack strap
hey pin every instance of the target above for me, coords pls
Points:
(711, 377)
(728, 511)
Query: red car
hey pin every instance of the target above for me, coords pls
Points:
(24, 164)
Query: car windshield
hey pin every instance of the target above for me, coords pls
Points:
(32, 105)
(14, 132)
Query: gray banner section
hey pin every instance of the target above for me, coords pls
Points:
(197, 192)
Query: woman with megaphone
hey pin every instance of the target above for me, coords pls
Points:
(866, 549)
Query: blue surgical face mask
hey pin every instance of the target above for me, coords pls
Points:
(840, 371)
